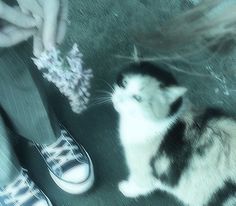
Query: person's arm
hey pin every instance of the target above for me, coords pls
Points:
(16, 27)
(51, 16)
(43, 19)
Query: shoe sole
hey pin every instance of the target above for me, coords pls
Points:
(49, 202)
(78, 188)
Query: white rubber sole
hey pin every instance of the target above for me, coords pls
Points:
(49, 202)
(76, 188)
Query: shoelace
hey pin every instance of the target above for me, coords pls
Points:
(60, 154)
(12, 191)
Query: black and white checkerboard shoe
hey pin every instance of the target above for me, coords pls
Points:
(69, 164)
(23, 192)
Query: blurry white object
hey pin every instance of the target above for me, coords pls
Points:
(68, 75)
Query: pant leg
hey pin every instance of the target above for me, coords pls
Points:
(9, 165)
(22, 101)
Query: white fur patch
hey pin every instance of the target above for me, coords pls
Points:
(163, 164)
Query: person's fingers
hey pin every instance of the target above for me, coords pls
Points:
(51, 10)
(25, 11)
(37, 45)
(12, 35)
(39, 21)
(31, 5)
(62, 21)
(15, 16)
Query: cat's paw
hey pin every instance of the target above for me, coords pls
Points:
(132, 190)
(128, 189)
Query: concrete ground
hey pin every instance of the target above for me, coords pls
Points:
(103, 29)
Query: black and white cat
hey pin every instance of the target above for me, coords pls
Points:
(167, 146)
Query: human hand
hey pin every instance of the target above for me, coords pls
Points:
(16, 27)
(51, 17)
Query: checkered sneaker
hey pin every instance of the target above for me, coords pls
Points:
(69, 164)
(23, 192)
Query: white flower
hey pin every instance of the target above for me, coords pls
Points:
(68, 75)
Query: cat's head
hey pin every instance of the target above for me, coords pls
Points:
(144, 90)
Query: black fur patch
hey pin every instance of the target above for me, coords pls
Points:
(202, 149)
(148, 69)
(197, 129)
(223, 194)
(174, 107)
(178, 150)
(202, 120)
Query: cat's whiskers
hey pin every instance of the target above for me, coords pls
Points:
(102, 99)
(109, 85)
(104, 92)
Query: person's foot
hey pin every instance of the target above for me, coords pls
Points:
(23, 192)
(69, 164)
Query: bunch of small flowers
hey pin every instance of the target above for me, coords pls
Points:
(68, 75)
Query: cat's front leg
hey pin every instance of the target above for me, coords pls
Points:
(131, 189)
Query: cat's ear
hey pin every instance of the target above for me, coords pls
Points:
(174, 92)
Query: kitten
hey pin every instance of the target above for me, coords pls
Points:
(167, 146)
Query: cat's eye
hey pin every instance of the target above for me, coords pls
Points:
(137, 98)
(121, 81)
(124, 83)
